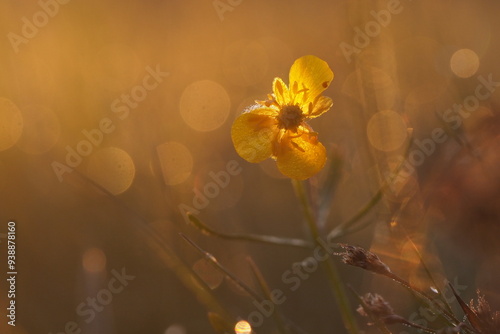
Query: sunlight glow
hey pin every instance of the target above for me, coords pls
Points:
(243, 327)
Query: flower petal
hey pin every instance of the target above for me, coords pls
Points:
(253, 133)
(281, 92)
(300, 157)
(319, 107)
(312, 73)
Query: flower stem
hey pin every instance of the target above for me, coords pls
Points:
(328, 266)
(269, 239)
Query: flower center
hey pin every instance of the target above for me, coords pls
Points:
(290, 117)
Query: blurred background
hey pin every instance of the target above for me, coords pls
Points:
(115, 116)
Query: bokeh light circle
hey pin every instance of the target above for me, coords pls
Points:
(176, 162)
(176, 329)
(11, 124)
(204, 105)
(464, 63)
(207, 272)
(242, 327)
(386, 130)
(94, 260)
(112, 168)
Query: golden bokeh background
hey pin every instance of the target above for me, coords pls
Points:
(115, 117)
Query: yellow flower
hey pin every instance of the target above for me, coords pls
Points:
(276, 128)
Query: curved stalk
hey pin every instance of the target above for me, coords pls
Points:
(328, 265)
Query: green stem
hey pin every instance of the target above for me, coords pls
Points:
(341, 229)
(267, 239)
(328, 265)
(277, 314)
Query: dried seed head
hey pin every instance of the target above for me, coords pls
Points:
(376, 305)
(359, 257)
(490, 320)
